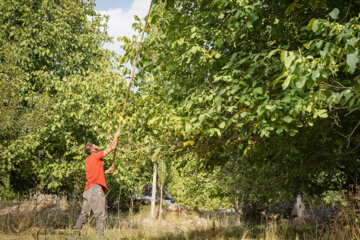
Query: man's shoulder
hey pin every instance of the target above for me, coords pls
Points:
(97, 155)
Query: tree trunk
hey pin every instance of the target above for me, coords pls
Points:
(236, 204)
(153, 194)
(161, 202)
(73, 205)
(161, 189)
(237, 210)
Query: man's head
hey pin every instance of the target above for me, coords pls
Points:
(91, 148)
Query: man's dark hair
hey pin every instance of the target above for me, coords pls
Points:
(87, 148)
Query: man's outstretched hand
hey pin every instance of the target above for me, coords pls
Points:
(113, 145)
(109, 171)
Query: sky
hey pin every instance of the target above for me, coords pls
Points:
(121, 13)
(107, 4)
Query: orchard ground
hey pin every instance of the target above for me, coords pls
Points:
(54, 218)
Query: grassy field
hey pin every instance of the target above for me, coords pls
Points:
(181, 225)
(261, 232)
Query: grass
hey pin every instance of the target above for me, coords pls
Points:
(181, 226)
(157, 232)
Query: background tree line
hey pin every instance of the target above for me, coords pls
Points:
(243, 100)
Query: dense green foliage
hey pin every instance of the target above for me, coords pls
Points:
(57, 80)
(243, 100)
(269, 90)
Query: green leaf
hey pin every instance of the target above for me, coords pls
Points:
(217, 55)
(222, 124)
(235, 88)
(287, 58)
(315, 25)
(315, 74)
(156, 152)
(288, 119)
(338, 96)
(271, 53)
(280, 129)
(270, 107)
(334, 13)
(301, 82)
(351, 41)
(258, 91)
(264, 132)
(215, 130)
(194, 119)
(219, 42)
(357, 88)
(311, 22)
(188, 128)
(348, 94)
(352, 59)
(292, 132)
(285, 74)
(287, 82)
(202, 117)
(249, 24)
(322, 113)
(218, 101)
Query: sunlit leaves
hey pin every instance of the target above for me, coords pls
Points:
(352, 59)
(287, 58)
(208, 72)
(63, 75)
(334, 13)
(188, 143)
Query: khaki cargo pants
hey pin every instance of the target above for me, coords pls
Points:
(93, 200)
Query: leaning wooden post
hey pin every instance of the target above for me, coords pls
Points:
(161, 189)
(153, 194)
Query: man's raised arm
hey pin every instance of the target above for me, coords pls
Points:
(113, 144)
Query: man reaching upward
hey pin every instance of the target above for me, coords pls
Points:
(95, 188)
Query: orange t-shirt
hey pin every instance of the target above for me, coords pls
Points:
(95, 170)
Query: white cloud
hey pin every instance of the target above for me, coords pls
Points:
(120, 21)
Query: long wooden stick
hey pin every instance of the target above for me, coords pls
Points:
(131, 78)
